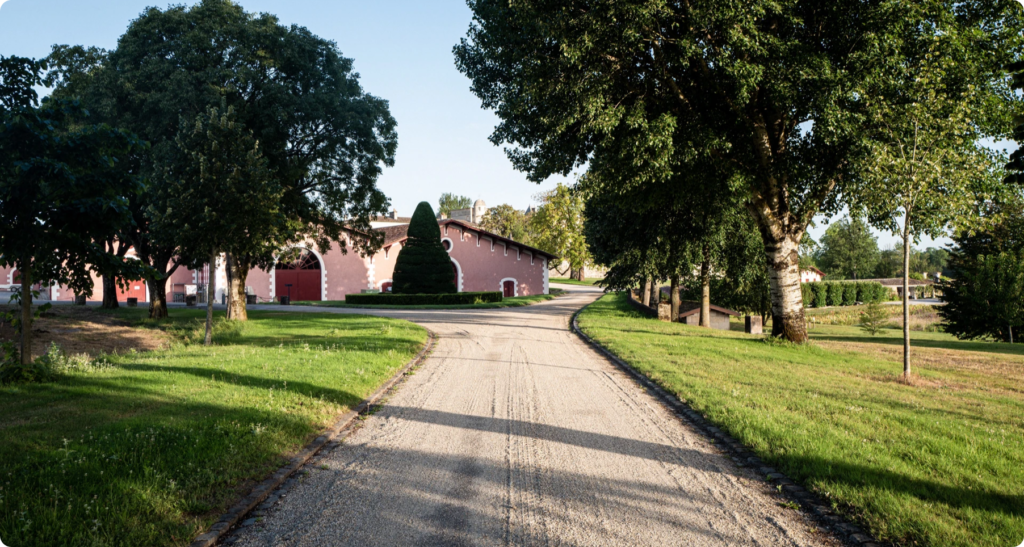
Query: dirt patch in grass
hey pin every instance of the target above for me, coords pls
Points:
(80, 329)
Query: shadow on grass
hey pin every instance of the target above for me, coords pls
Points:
(857, 475)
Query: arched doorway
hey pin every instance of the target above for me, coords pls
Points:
(298, 275)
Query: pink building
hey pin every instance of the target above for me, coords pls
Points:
(481, 261)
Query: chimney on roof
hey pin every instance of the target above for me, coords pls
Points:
(393, 214)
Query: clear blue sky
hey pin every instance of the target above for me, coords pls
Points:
(403, 52)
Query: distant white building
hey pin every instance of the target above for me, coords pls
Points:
(473, 215)
(811, 275)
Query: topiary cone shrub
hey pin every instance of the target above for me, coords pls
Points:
(423, 266)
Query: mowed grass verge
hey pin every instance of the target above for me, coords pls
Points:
(148, 448)
(512, 302)
(938, 463)
(570, 281)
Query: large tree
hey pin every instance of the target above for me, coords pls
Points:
(451, 202)
(507, 221)
(769, 89)
(221, 197)
(557, 226)
(848, 250)
(62, 193)
(325, 140)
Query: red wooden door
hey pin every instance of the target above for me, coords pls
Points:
(385, 287)
(303, 274)
(309, 285)
(508, 289)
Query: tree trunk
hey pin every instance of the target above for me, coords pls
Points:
(655, 293)
(210, 294)
(576, 273)
(158, 297)
(109, 293)
(705, 289)
(784, 279)
(1011, 334)
(25, 269)
(237, 273)
(645, 293)
(118, 249)
(906, 296)
(674, 298)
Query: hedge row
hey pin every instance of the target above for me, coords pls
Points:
(423, 299)
(820, 294)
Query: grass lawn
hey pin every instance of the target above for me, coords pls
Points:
(513, 302)
(149, 447)
(937, 463)
(570, 281)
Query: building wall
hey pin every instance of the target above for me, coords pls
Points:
(485, 264)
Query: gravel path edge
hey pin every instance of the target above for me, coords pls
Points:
(338, 431)
(811, 503)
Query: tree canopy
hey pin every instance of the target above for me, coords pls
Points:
(848, 250)
(772, 91)
(557, 227)
(451, 202)
(62, 193)
(323, 138)
(507, 221)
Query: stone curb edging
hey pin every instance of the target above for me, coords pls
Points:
(741, 456)
(272, 483)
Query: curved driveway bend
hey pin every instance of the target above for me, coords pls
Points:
(514, 432)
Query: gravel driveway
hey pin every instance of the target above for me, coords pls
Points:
(516, 432)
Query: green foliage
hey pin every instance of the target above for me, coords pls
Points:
(833, 417)
(807, 294)
(62, 192)
(152, 464)
(1015, 167)
(835, 293)
(451, 202)
(849, 294)
(324, 139)
(424, 299)
(873, 318)
(820, 294)
(557, 226)
(507, 221)
(847, 250)
(220, 193)
(423, 266)
(643, 93)
(985, 297)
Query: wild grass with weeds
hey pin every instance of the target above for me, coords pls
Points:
(145, 448)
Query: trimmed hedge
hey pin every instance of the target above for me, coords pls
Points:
(452, 299)
(843, 293)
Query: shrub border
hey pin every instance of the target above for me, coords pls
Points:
(447, 299)
(333, 436)
(811, 503)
